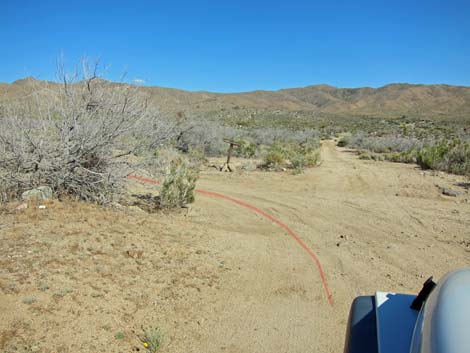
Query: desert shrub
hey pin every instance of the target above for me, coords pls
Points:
(344, 140)
(71, 137)
(301, 159)
(383, 144)
(292, 154)
(458, 159)
(178, 187)
(402, 157)
(452, 157)
(365, 155)
(247, 149)
(312, 158)
(197, 155)
(432, 157)
(152, 339)
(276, 155)
(205, 136)
(178, 175)
(268, 135)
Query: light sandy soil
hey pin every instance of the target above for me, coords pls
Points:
(219, 278)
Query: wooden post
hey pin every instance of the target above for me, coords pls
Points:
(226, 165)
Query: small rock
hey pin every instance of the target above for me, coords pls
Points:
(29, 300)
(136, 209)
(40, 193)
(449, 192)
(135, 254)
(46, 192)
(23, 206)
(118, 206)
(33, 194)
(249, 166)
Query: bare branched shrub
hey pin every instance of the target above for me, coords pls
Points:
(382, 144)
(208, 136)
(73, 137)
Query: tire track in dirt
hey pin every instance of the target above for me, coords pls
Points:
(267, 216)
(353, 214)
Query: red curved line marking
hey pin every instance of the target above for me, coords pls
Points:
(265, 215)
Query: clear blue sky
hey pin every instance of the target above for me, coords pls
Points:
(241, 45)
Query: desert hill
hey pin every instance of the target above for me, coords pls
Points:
(393, 100)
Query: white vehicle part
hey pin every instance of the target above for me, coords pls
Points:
(443, 325)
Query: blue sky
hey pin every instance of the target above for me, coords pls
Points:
(241, 45)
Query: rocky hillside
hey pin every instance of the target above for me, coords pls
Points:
(394, 100)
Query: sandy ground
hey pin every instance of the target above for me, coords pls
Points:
(219, 278)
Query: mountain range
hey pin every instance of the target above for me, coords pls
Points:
(393, 100)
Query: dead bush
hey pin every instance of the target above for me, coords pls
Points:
(74, 137)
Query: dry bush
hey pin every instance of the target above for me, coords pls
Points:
(74, 137)
(208, 136)
(382, 144)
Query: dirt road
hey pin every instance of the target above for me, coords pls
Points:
(374, 226)
(220, 278)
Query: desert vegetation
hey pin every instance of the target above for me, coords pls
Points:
(82, 138)
(430, 147)
(137, 281)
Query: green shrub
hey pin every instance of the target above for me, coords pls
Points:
(276, 155)
(197, 155)
(179, 184)
(449, 156)
(312, 158)
(458, 159)
(178, 175)
(431, 157)
(293, 155)
(299, 162)
(344, 140)
(246, 149)
(152, 340)
(402, 157)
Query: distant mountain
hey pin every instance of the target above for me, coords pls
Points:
(394, 100)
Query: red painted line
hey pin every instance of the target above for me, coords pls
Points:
(145, 180)
(267, 216)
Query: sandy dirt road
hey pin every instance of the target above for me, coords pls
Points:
(374, 226)
(220, 278)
